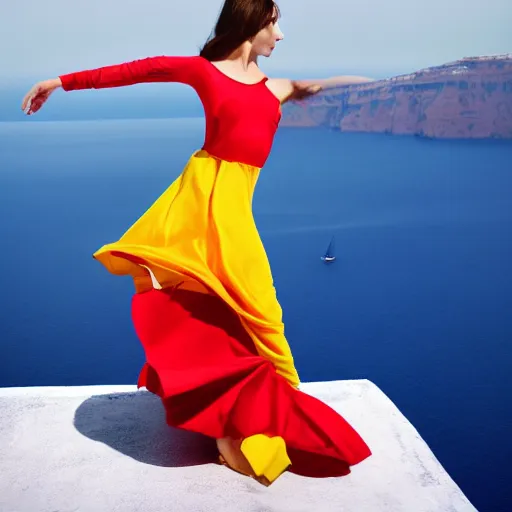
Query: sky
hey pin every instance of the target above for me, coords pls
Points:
(322, 37)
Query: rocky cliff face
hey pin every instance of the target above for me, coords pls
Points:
(469, 98)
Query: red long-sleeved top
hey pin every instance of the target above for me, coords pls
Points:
(241, 119)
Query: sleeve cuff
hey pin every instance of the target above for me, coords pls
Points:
(67, 81)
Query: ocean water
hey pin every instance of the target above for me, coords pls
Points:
(419, 300)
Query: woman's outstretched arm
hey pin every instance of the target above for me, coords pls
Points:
(290, 90)
(151, 69)
(335, 81)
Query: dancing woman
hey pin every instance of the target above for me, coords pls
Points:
(205, 307)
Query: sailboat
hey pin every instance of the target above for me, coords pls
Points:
(329, 257)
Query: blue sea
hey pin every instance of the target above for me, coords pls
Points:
(419, 300)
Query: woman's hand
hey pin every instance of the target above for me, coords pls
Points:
(304, 90)
(37, 96)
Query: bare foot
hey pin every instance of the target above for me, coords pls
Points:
(232, 454)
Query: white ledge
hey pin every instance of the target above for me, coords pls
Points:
(108, 449)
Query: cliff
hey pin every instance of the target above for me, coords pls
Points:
(468, 98)
(107, 448)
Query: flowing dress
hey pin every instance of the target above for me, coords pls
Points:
(212, 330)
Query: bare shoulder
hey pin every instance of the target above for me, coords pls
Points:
(282, 88)
(290, 90)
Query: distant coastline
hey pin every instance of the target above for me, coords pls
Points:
(467, 98)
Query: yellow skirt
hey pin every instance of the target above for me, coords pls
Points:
(200, 235)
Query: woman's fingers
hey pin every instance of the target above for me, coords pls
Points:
(26, 100)
(34, 99)
(313, 89)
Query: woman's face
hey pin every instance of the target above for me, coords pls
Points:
(266, 39)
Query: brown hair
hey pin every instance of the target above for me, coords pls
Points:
(239, 21)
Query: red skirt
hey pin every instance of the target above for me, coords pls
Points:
(204, 366)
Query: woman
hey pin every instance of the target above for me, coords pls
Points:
(205, 308)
